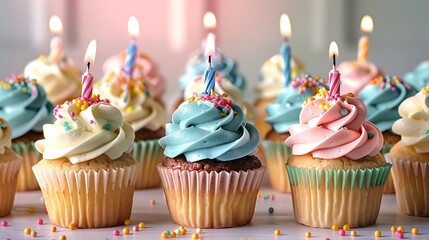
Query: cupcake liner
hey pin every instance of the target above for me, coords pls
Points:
(211, 199)
(147, 154)
(89, 199)
(389, 187)
(26, 179)
(323, 197)
(276, 155)
(411, 180)
(8, 177)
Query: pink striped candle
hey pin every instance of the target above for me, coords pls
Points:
(334, 75)
(87, 77)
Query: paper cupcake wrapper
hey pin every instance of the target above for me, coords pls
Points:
(276, 155)
(8, 177)
(26, 179)
(147, 154)
(324, 197)
(89, 199)
(210, 199)
(389, 187)
(411, 180)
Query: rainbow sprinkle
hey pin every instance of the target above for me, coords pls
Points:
(307, 81)
(218, 101)
(81, 104)
(391, 81)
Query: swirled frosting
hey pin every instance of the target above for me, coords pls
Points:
(223, 65)
(382, 98)
(356, 75)
(61, 80)
(209, 126)
(24, 105)
(144, 67)
(419, 78)
(131, 96)
(334, 128)
(284, 111)
(223, 85)
(85, 129)
(414, 124)
(272, 79)
(5, 135)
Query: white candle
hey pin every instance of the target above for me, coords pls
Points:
(56, 27)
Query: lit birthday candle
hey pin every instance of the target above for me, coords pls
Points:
(209, 22)
(87, 77)
(56, 27)
(334, 75)
(285, 51)
(210, 73)
(366, 26)
(132, 51)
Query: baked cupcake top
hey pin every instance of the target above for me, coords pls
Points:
(331, 128)
(224, 65)
(5, 135)
(272, 79)
(356, 75)
(414, 124)
(209, 126)
(223, 85)
(60, 79)
(85, 129)
(24, 105)
(133, 98)
(284, 111)
(382, 98)
(419, 77)
(144, 66)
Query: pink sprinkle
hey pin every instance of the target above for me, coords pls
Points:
(222, 102)
(327, 239)
(393, 88)
(136, 228)
(72, 114)
(342, 232)
(4, 223)
(215, 104)
(228, 107)
(40, 221)
(116, 232)
(91, 121)
(217, 97)
(229, 101)
(400, 234)
(60, 116)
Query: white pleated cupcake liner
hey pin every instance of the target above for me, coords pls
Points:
(26, 179)
(276, 155)
(147, 154)
(8, 178)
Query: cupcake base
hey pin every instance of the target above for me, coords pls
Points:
(9, 167)
(276, 154)
(147, 154)
(26, 179)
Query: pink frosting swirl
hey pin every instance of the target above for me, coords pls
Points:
(334, 128)
(356, 75)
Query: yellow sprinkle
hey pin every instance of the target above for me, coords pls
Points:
(42, 58)
(141, 225)
(415, 231)
(195, 236)
(126, 231)
(164, 235)
(181, 227)
(222, 115)
(191, 99)
(72, 226)
(377, 233)
(393, 229)
(346, 227)
(308, 234)
(83, 108)
(33, 82)
(277, 232)
(93, 97)
(335, 227)
(127, 222)
(33, 233)
(62, 237)
(225, 95)
(321, 106)
(327, 106)
(27, 230)
(353, 233)
(31, 210)
(53, 229)
(182, 231)
(129, 109)
(173, 234)
(401, 228)
(152, 202)
(74, 101)
(235, 112)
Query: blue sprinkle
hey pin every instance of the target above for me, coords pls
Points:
(266, 196)
(108, 126)
(65, 123)
(344, 112)
(67, 128)
(270, 210)
(168, 232)
(3, 125)
(427, 131)
(370, 134)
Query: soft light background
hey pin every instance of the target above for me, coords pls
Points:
(247, 30)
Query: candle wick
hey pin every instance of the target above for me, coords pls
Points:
(88, 66)
(210, 60)
(334, 62)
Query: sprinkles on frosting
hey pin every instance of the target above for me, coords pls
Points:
(307, 81)
(218, 101)
(128, 86)
(81, 104)
(18, 81)
(391, 81)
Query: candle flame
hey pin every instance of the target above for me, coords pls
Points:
(285, 28)
(366, 25)
(209, 21)
(333, 49)
(210, 45)
(133, 27)
(90, 52)
(55, 24)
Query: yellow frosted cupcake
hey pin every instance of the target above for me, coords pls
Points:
(9, 167)
(88, 147)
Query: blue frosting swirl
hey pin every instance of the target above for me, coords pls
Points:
(209, 127)
(419, 78)
(224, 65)
(382, 98)
(285, 110)
(24, 105)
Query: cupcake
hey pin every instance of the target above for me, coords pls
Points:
(419, 77)
(144, 66)
(282, 113)
(210, 175)
(9, 167)
(410, 156)
(87, 173)
(355, 75)
(61, 79)
(270, 85)
(24, 105)
(382, 98)
(147, 117)
(335, 160)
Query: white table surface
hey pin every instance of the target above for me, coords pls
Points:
(157, 220)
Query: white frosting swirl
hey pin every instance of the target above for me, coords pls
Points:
(61, 80)
(414, 124)
(97, 130)
(5, 135)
